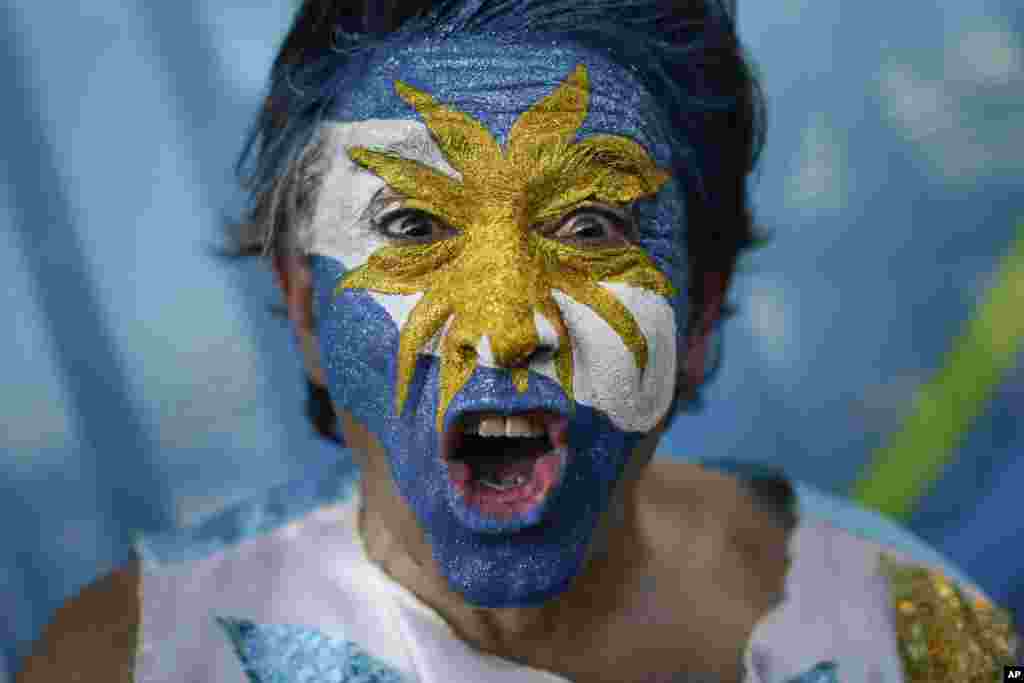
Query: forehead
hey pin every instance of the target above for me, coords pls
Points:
(494, 81)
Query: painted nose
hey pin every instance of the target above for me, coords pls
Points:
(526, 342)
(507, 276)
(523, 345)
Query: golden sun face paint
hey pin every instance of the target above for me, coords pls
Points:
(498, 272)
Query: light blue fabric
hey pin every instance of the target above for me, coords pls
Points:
(274, 653)
(277, 653)
(825, 672)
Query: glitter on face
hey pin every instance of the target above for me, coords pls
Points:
(497, 272)
(391, 315)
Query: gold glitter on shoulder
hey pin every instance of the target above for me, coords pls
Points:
(945, 633)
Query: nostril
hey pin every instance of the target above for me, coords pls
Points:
(547, 339)
(542, 354)
(531, 354)
(516, 346)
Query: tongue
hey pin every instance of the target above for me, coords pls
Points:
(505, 469)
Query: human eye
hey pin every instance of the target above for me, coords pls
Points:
(412, 225)
(595, 225)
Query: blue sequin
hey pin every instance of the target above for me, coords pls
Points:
(279, 653)
(824, 672)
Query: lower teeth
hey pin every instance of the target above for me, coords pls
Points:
(505, 484)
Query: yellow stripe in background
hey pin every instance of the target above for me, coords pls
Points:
(902, 471)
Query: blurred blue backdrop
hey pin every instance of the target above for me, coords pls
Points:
(146, 384)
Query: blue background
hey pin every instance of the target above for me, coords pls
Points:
(146, 385)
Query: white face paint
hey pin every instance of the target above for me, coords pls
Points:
(341, 226)
(606, 376)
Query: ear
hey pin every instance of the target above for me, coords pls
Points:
(702, 323)
(296, 283)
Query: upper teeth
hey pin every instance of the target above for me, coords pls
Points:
(503, 425)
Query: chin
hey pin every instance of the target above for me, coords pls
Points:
(521, 543)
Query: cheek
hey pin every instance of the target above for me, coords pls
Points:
(607, 377)
(358, 344)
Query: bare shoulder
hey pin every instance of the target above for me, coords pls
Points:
(92, 637)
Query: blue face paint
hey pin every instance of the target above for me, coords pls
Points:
(517, 561)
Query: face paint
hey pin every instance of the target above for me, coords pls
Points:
(496, 316)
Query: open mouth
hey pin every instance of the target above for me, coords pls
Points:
(505, 465)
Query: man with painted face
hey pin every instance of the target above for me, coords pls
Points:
(504, 232)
